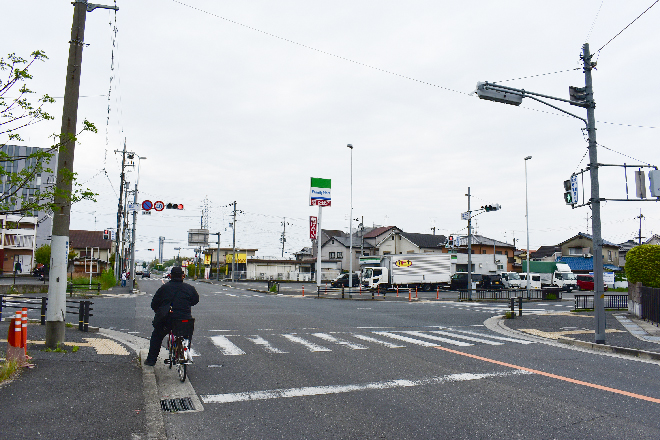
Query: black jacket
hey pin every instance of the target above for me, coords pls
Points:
(182, 296)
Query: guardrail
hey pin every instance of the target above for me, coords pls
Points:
(507, 294)
(650, 304)
(71, 287)
(81, 308)
(586, 302)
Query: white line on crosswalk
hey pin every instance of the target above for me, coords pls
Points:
(467, 338)
(376, 341)
(499, 338)
(337, 389)
(438, 338)
(226, 346)
(265, 344)
(305, 343)
(406, 339)
(334, 340)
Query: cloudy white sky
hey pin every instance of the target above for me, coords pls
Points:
(246, 101)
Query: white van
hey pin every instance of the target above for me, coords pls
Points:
(535, 283)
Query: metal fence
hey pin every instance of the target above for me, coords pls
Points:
(507, 294)
(586, 302)
(650, 304)
(81, 308)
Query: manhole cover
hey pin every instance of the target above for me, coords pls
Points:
(177, 405)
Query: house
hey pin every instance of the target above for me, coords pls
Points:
(276, 269)
(485, 245)
(545, 253)
(92, 251)
(395, 241)
(17, 242)
(226, 256)
(577, 252)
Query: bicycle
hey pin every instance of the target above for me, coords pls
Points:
(178, 346)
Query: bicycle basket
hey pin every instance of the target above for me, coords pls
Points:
(183, 327)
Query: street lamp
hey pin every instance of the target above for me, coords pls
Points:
(527, 220)
(350, 228)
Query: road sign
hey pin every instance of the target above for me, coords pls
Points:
(159, 206)
(465, 215)
(313, 224)
(147, 205)
(319, 193)
(133, 207)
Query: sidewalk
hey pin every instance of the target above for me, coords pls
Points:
(624, 334)
(93, 392)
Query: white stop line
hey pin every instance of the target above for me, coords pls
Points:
(337, 389)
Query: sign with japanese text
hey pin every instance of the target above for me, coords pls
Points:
(313, 224)
(319, 193)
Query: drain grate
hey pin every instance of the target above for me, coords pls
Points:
(177, 405)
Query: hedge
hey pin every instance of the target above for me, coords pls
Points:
(643, 265)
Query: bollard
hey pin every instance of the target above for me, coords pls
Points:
(303, 290)
(513, 313)
(360, 288)
(397, 291)
(24, 329)
(409, 294)
(318, 291)
(81, 314)
(342, 292)
(415, 292)
(44, 300)
(86, 315)
(437, 294)
(1, 307)
(520, 306)
(372, 294)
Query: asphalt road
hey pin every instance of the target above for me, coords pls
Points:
(279, 366)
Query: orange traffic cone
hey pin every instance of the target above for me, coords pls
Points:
(14, 338)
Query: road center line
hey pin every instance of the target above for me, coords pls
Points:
(337, 389)
(554, 376)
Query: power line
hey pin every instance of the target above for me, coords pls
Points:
(656, 1)
(540, 74)
(594, 22)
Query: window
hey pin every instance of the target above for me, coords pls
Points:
(366, 254)
(340, 255)
(609, 255)
(332, 255)
(498, 252)
(575, 251)
(483, 251)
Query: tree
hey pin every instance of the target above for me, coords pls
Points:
(642, 264)
(42, 255)
(18, 111)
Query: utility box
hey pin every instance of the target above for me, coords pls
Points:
(654, 181)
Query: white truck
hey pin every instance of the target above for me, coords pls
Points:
(511, 280)
(423, 271)
(553, 274)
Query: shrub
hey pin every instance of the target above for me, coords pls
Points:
(642, 264)
(107, 279)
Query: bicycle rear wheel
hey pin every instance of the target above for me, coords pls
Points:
(181, 368)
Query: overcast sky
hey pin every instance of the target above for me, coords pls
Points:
(246, 101)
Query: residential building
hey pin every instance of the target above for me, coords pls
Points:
(93, 252)
(580, 246)
(17, 242)
(40, 183)
(484, 245)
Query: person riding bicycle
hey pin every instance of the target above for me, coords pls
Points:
(180, 297)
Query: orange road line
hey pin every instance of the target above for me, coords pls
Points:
(554, 376)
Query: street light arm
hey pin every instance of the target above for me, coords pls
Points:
(558, 108)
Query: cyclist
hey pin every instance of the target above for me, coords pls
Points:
(181, 297)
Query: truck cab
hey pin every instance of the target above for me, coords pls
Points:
(372, 277)
(511, 280)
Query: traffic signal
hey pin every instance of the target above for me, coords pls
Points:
(174, 206)
(450, 241)
(488, 208)
(106, 234)
(568, 194)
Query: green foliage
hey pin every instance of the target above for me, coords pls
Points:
(509, 315)
(191, 271)
(42, 254)
(273, 288)
(108, 279)
(58, 349)
(75, 348)
(8, 370)
(642, 264)
(18, 111)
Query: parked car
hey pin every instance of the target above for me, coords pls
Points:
(342, 281)
(586, 282)
(459, 280)
(491, 282)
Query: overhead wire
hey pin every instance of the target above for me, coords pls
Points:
(629, 24)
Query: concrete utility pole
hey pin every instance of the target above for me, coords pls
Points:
(640, 217)
(350, 229)
(120, 207)
(233, 258)
(217, 260)
(469, 269)
(135, 194)
(599, 293)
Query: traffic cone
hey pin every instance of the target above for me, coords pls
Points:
(24, 330)
(14, 338)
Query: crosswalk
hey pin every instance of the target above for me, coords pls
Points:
(320, 342)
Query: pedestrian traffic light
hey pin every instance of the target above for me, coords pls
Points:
(488, 208)
(568, 193)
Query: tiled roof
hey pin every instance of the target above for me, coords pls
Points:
(588, 237)
(578, 263)
(346, 241)
(82, 239)
(480, 239)
(544, 251)
(425, 240)
(376, 232)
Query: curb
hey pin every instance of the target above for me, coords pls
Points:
(611, 349)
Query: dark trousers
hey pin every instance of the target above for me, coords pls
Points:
(160, 331)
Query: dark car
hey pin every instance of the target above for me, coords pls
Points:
(491, 282)
(586, 282)
(460, 280)
(342, 281)
(146, 274)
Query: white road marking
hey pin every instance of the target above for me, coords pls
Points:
(226, 346)
(230, 294)
(467, 338)
(376, 341)
(406, 339)
(438, 338)
(221, 330)
(265, 344)
(309, 345)
(330, 338)
(499, 338)
(337, 389)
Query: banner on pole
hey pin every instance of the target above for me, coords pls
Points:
(313, 223)
(319, 193)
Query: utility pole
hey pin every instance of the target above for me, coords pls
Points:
(233, 258)
(63, 185)
(469, 271)
(120, 207)
(217, 259)
(283, 239)
(640, 217)
(599, 301)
